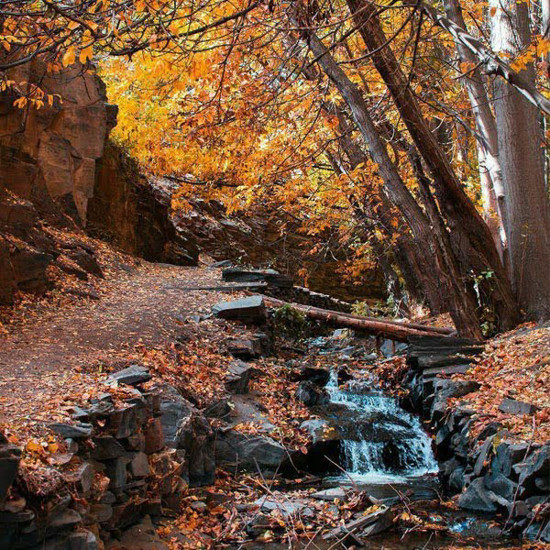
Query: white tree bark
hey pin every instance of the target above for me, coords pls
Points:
(492, 189)
(521, 157)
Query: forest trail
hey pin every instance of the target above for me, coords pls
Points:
(47, 355)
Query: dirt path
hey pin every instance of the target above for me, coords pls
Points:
(49, 354)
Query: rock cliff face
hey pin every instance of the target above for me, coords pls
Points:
(129, 210)
(59, 171)
(51, 166)
(49, 155)
(48, 160)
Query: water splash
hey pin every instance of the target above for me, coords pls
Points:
(405, 450)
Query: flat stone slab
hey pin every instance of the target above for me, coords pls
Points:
(248, 310)
(284, 506)
(330, 494)
(80, 430)
(517, 408)
(135, 374)
(270, 276)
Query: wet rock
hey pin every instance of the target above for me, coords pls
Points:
(330, 494)
(478, 498)
(491, 429)
(364, 526)
(316, 376)
(501, 486)
(482, 459)
(142, 536)
(79, 430)
(517, 408)
(445, 388)
(249, 452)
(238, 377)
(133, 375)
(538, 531)
(248, 310)
(310, 394)
(506, 455)
(451, 472)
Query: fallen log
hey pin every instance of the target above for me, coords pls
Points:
(394, 330)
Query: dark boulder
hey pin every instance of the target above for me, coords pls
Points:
(218, 409)
(310, 394)
(246, 349)
(478, 498)
(502, 486)
(517, 408)
(270, 276)
(249, 452)
(79, 430)
(10, 455)
(186, 428)
(238, 377)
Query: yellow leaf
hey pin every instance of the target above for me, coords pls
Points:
(86, 54)
(70, 57)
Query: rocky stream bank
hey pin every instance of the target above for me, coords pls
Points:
(258, 438)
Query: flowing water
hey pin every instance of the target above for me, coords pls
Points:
(382, 442)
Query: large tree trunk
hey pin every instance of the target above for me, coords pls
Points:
(461, 307)
(472, 240)
(492, 189)
(421, 279)
(521, 156)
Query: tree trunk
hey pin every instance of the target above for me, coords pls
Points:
(472, 240)
(520, 148)
(393, 330)
(490, 173)
(462, 310)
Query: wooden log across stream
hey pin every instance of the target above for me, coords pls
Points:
(394, 330)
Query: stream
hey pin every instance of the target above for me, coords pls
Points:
(382, 442)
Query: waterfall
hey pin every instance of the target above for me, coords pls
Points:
(383, 441)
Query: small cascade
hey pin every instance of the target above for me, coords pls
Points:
(382, 440)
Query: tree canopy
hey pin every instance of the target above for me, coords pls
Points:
(386, 122)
